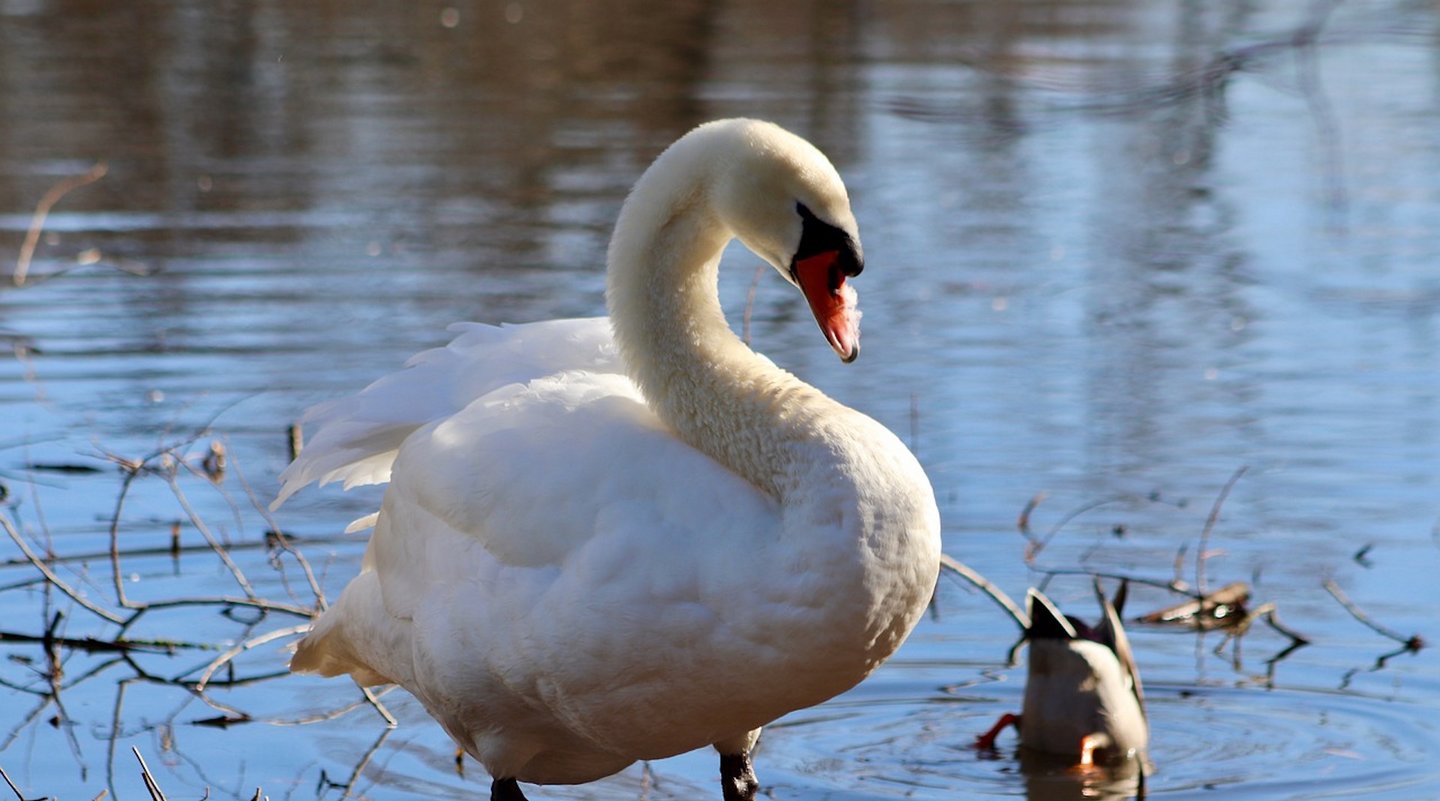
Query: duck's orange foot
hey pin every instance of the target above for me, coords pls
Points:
(1089, 744)
(986, 741)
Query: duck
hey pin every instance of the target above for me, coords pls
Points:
(625, 538)
(1083, 695)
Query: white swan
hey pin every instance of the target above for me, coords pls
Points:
(601, 548)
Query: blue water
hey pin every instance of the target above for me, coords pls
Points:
(1115, 252)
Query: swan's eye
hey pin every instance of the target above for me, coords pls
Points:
(818, 236)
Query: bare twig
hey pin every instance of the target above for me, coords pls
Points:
(242, 647)
(1223, 607)
(50, 575)
(295, 440)
(13, 788)
(159, 550)
(1361, 557)
(204, 530)
(156, 794)
(1149, 582)
(1179, 581)
(44, 704)
(285, 543)
(1267, 612)
(132, 470)
(370, 698)
(1036, 546)
(996, 594)
(42, 211)
(1201, 550)
(1023, 521)
(374, 699)
(221, 600)
(1273, 618)
(97, 645)
(364, 761)
(1412, 643)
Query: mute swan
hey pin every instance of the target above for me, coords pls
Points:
(609, 540)
(1083, 697)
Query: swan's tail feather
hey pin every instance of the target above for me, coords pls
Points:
(331, 656)
(330, 650)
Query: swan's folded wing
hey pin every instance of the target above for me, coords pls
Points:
(553, 551)
(534, 472)
(355, 439)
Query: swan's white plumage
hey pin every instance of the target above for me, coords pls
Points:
(356, 438)
(572, 573)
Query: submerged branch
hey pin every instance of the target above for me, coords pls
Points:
(1412, 643)
(242, 647)
(1201, 551)
(42, 211)
(97, 645)
(996, 594)
(50, 576)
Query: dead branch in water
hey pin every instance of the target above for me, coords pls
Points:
(1412, 643)
(13, 788)
(118, 617)
(1221, 608)
(1225, 609)
(42, 211)
(996, 594)
(156, 794)
(1202, 552)
(1266, 612)
(1038, 544)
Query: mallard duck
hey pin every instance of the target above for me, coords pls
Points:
(1083, 697)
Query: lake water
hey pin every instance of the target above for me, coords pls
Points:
(1115, 252)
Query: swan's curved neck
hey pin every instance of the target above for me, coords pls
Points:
(705, 383)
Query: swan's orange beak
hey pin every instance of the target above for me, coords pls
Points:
(832, 301)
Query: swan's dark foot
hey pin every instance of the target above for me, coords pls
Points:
(506, 790)
(737, 777)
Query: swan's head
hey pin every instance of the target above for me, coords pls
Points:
(785, 201)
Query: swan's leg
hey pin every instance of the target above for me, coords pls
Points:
(506, 790)
(737, 777)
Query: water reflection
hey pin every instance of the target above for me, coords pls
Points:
(1169, 278)
(1048, 778)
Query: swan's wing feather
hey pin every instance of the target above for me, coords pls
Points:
(533, 471)
(355, 439)
(543, 517)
